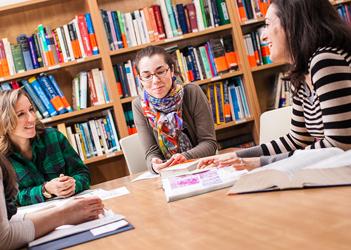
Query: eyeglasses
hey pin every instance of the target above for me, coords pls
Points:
(149, 76)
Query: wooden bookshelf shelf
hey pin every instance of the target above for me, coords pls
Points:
(127, 99)
(233, 123)
(336, 2)
(253, 21)
(76, 113)
(219, 78)
(50, 68)
(173, 40)
(23, 5)
(267, 66)
(103, 157)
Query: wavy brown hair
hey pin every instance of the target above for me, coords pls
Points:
(8, 118)
(309, 25)
(8, 177)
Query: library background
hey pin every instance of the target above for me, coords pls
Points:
(75, 60)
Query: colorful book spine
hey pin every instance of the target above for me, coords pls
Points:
(50, 92)
(37, 101)
(23, 42)
(40, 93)
(91, 32)
(60, 93)
(33, 52)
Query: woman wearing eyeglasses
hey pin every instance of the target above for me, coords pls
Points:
(173, 120)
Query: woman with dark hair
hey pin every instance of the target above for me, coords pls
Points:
(173, 120)
(16, 230)
(44, 161)
(313, 39)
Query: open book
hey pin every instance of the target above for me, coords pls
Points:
(179, 185)
(305, 168)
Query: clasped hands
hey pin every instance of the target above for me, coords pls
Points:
(62, 186)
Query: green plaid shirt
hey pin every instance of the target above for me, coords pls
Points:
(52, 155)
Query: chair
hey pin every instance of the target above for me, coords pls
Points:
(275, 123)
(133, 153)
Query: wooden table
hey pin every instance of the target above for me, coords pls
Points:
(296, 219)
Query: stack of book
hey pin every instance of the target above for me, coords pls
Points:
(89, 88)
(228, 100)
(45, 94)
(252, 9)
(257, 50)
(48, 47)
(92, 138)
(162, 21)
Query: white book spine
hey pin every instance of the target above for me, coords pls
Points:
(95, 135)
(79, 146)
(130, 29)
(9, 57)
(83, 80)
(80, 41)
(199, 17)
(71, 139)
(165, 18)
(146, 30)
(101, 134)
(68, 40)
(63, 48)
(130, 78)
(98, 86)
(198, 63)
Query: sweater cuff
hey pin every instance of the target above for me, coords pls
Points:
(265, 160)
(255, 151)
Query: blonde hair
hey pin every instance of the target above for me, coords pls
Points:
(8, 117)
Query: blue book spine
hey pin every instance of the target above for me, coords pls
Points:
(38, 90)
(91, 30)
(243, 96)
(6, 86)
(182, 18)
(33, 52)
(117, 29)
(35, 98)
(50, 92)
(234, 101)
(60, 93)
(193, 60)
(85, 139)
(23, 42)
(211, 57)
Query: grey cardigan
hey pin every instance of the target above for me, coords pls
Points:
(198, 123)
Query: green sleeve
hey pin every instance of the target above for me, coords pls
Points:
(30, 195)
(74, 165)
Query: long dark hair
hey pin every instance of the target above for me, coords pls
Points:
(9, 177)
(150, 51)
(309, 25)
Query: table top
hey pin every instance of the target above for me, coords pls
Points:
(318, 218)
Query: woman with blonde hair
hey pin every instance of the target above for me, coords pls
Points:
(44, 161)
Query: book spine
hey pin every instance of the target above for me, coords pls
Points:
(60, 93)
(91, 32)
(117, 29)
(223, 12)
(92, 90)
(50, 92)
(83, 89)
(33, 52)
(123, 29)
(5, 66)
(79, 37)
(9, 56)
(190, 8)
(18, 58)
(23, 42)
(38, 49)
(159, 22)
(38, 103)
(83, 29)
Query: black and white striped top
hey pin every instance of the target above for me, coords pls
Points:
(321, 116)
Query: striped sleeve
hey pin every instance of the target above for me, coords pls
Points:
(331, 76)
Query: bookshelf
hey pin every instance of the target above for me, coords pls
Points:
(24, 17)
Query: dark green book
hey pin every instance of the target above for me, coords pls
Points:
(18, 58)
(223, 12)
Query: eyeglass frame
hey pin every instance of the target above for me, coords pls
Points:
(154, 74)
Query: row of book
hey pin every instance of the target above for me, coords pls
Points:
(257, 50)
(228, 100)
(162, 21)
(207, 60)
(281, 92)
(92, 138)
(89, 88)
(344, 11)
(252, 9)
(48, 47)
(45, 94)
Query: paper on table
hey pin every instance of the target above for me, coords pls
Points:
(146, 175)
(109, 227)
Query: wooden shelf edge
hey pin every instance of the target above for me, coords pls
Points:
(336, 2)
(128, 99)
(267, 66)
(103, 157)
(174, 39)
(27, 3)
(234, 123)
(77, 113)
(252, 21)
(50, 68)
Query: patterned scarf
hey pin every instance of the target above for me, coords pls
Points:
(165, 115)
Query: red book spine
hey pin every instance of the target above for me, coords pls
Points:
(85, 35)
(159, 21)
(92, 90)
(192, 16)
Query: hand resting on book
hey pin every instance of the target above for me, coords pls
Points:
(158, 164)
(230, 159)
